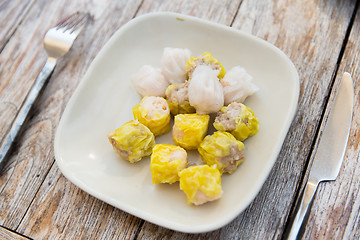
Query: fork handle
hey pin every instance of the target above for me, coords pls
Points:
(302, 208)
(24, 110)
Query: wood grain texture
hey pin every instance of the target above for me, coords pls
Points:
(9, 235)
(34, 157)
(217, 11)
(11, 14)
(304, 30)
(7, 111)
(26, 175)
(63, 211)
(335, 210)
(23, 57)
(97, 212)
(38, 201)
(306, 39)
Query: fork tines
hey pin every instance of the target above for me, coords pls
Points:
(74, 22)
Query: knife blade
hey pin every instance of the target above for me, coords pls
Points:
(331, 149)
(330, 152)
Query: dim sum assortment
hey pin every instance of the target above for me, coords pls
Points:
(189, 89)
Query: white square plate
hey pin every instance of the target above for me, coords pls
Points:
(104, 100)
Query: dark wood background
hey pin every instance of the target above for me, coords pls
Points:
(321, 37)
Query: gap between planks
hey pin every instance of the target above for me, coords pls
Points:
(52, 164)
(306, 171)
(37, 191)
(18, 23)
(230, 25)
(12, 234)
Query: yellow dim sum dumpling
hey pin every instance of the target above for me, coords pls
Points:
(237, 119)
(206, 59)
(201, 184)
(177, 98)
(154, 113)
(132, 141)
(190, 129)
(223, 151)
(166, 163)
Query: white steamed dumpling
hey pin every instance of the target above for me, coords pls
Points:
(149, 81)
(205, 91)
(173, 64)
(238, 85)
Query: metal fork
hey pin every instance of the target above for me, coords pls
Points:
(58, 41)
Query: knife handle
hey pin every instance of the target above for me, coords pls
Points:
(301, 208)
(24, 111)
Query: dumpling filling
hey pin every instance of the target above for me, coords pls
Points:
(237, 119)
(154, 113)
(223, 150)
(177, 98)
(233, 160)
(228, 117)
(132, 141)
(155, 106)
(206, 59)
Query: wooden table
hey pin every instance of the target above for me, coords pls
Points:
(321, 37)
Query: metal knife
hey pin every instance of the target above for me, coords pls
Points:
(330, 152)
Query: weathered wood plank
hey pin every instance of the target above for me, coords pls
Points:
(9, 235)
(218, 11)
(26, 171)
(7, 111)
(304, 30)
(22, 59)
(11, 14)
(305, 37)
(335, 211)
(96, 216)
(52, 214)
(19, 185)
